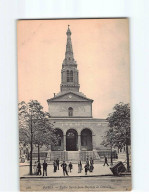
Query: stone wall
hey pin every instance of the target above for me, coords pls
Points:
(80, 109)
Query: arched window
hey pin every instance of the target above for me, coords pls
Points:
(70, 111)
(71, 76)
(68, 79)
(86, 139)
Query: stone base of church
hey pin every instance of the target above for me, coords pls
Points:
(72, 155)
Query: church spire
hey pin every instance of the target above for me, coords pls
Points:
(69, 50)
(69, 72)
(69, 59)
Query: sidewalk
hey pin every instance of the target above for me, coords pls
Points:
(99, 170)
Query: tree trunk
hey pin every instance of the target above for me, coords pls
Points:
(127, 156)
(111, 157)
(31, 143)
(38, 153)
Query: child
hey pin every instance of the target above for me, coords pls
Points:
(70, 166)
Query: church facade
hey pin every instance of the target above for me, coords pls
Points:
(71, 113)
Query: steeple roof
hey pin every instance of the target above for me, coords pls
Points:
(69, 58)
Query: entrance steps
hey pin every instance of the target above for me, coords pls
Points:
(73, 156)
(61, 155)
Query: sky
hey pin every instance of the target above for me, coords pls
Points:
(101, 49)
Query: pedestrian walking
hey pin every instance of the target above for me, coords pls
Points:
(35, 168)
(87, 162)
(79, 167)
(64, 167)
(57, 162)
(39, 169)
(86, 168)
(91, 165)
(55, 166)
(91, 161)
(45, 167)
(106, 161)
(70, 166)
(91, 168)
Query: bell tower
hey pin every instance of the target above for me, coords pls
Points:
(69, 72)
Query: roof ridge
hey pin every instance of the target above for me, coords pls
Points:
(64, 93)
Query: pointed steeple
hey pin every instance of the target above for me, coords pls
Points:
(69, 59)
(69, 50)
(69, 72)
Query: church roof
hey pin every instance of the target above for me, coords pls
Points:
(61, 94)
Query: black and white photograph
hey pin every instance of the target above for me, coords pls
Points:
(74, 105)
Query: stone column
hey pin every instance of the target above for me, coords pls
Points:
(64, 142)
(79, 142)
(93, 142)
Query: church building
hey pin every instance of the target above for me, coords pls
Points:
(71, 113)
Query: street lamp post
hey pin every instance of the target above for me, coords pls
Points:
(111, 156)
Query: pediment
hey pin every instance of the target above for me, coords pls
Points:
(70, 96)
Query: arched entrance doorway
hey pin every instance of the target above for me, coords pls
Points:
(59, 144)
(86, 140)
(71, 140)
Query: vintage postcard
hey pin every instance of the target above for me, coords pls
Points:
(74, 105)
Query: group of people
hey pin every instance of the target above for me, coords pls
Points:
(66, 168)
(89, 165)
(56, 165)
(63, 165)
(37, 168)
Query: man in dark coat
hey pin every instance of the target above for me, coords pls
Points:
(55, 166)
(45, 167)
(64, 167)
(106, 161)
(39, 168)
(87, 162)
(57, 162)
(86, 167)
(91, 165)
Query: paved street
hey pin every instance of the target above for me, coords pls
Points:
(102, 183)
(101, 179)
(99, 169)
